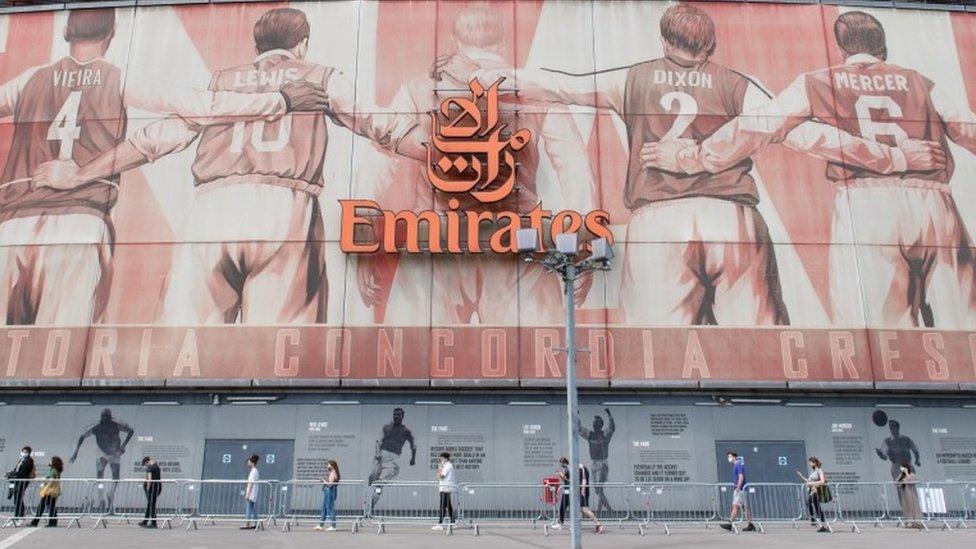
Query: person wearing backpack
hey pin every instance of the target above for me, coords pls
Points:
(49, 493)
(817, 492)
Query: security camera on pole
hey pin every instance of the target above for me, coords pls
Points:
(564, 262)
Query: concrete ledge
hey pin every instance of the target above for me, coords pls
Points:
(740, 384)
(438, 382)
(831, 385)
(122, 382)
(654, 383)
(532, 382)
(296, 382)
(40, 383)
(385, 382)
(915, 386)
(208, 382)
(967, 386)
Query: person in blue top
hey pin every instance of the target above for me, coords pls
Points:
(739, 485)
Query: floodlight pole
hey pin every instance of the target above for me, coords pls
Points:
(569, 271)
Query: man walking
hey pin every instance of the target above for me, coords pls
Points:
(152, 487)
(739, 499)
(251, 494)
(446, 486)
(20, 478)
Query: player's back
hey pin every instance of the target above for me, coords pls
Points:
(667, 100)
(426, 94)
(288, 151)
(877, 101)
(67, 110)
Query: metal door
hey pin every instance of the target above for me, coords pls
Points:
(225, 460)
(767, 462)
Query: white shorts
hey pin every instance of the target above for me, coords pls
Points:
(55, 270)
(739, 498)
(700, 260)
(252, 254)
(913, 264)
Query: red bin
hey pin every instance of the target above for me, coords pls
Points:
(551, 490)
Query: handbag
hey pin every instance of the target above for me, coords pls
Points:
(824, 494)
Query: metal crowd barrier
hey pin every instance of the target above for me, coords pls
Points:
(668, 504)
(947, 504)
(407, 503)
(72, 505)
(123, 501)
(222, 501)
(767, 503)
(501, 505)
(301, 501)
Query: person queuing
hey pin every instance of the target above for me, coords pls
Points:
(251, 494)
(446, 487)
(20, 477)
(584, 473)
(563, 474)
(50, 492)
(739, 499)
(152, 487)
(816, 484)
(908, 495)
(330, 489)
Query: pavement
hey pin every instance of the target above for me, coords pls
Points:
(416, 537)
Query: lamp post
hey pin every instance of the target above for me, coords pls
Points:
(564, 262)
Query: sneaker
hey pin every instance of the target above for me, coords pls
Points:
(319, 527)
(599, 529)
(330, 529)
(557, 526)
(245, 527)
(437, 527)
(726, 527)
(823, 529)
(750, 528)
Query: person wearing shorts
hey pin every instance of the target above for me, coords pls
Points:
(739, 499)
(585, 510)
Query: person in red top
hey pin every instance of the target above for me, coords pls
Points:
(57, 242)
(697, 249)
(914, 248)
(254, 244)
(477, 288)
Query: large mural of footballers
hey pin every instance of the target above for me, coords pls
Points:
(807, 212)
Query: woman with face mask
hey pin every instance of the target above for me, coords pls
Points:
(816, 485)
(908, 494)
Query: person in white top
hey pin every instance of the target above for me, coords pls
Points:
(251, 494)
(446, 486)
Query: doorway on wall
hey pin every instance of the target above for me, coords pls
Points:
(771, 467)
(224, 459)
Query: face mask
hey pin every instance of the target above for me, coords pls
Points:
(731, 459)
(24, 454)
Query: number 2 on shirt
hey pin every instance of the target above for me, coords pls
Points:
(64, 128)
(687, 111)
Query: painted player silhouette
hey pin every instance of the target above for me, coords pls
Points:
(599, 440)
(916, 249)
(108, 439)
(66, 113)
(719, 266)
(898, 449)
(386, 464)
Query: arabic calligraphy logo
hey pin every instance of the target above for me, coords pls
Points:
(470, 151)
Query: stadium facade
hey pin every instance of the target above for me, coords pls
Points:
(795, 272)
